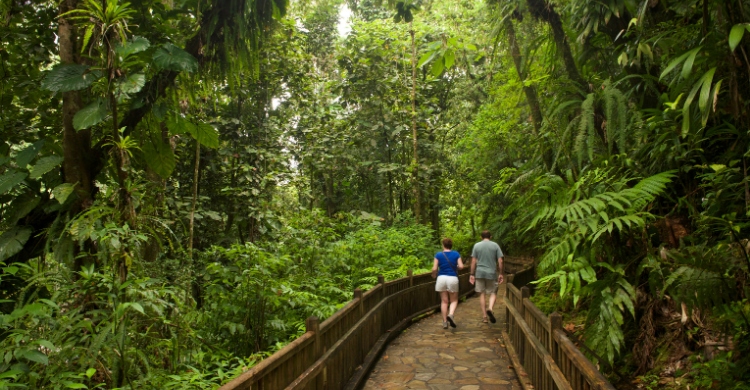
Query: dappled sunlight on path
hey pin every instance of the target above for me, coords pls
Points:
(426, 356)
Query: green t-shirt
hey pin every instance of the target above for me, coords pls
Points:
(486, 253)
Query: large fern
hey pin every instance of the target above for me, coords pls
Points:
(585, 216)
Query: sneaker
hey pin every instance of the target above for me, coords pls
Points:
(452, 320)
(492, 316)
(445, 325)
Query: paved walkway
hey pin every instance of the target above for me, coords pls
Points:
(426, 356)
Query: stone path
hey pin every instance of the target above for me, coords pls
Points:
(426, 356)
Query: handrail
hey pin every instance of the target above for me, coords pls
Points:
(543, 349)
(543, 355)
(329, 353)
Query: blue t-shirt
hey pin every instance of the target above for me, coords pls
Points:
(443, 267)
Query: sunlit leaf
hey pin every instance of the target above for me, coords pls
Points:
(63, 191)
(206, 135)
(44, 165)
(736, 34)
(92, 114)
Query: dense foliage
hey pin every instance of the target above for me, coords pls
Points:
(183, 183)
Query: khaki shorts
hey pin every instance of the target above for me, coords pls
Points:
(446, 283)
(487, 286)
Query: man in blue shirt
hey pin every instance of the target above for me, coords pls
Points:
(486, 272)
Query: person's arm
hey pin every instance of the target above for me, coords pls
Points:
(499, 264)
(460, 264)
(473, 269)
(435, 264)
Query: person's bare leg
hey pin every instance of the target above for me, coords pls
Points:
(482, 305)
(444, 302)
(493, 297)
(454, 302)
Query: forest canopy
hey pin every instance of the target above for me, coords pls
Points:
(182, 183)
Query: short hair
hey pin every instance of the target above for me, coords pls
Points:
(486, 234)
(447, 243)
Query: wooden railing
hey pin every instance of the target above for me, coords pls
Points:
(339, 352)
(546, 353)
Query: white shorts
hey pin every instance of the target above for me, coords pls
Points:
(486, 286)
(446, 283)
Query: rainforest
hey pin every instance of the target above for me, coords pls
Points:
(184, 182)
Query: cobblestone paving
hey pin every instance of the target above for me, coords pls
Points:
(469, 357)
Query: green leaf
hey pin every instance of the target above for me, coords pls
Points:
(76, 386)
(687, 68)
(714, 94)
(171, 57)
(179, 125)
(735, 36)
(206, 135)
(686, 108)
(37, 357)
(450, 58)
(11, 374)
(437, 68)
(91, 115)
(425, 58)
(63, 191)
(133, 46)
(65, 78)
(9, 180)
(707, 79)
(12, 241)
(46, 344)
(673, 64)
(132, 83)
(87, 37)
(25, 156)
(44, 165)
(137, 306)
(90, 372)
(159, 157)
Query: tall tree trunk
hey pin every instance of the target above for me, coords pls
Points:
(532, 99)
(545, 11)
(195, 198)
(415, 158)
(77, 153)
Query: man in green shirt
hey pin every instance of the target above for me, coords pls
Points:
(486, 272)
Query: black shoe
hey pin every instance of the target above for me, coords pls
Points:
(452, 322)
(492, 316)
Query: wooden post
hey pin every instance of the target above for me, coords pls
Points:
(506, 298)
(381, 282)
(358, 295)
(410, 274)
(555, 322)
(525, 293)
(312, 324)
